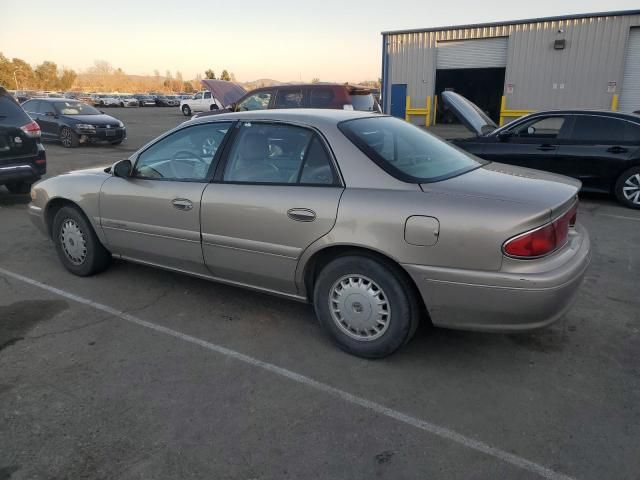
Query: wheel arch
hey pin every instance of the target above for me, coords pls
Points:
(54, 205)
(320, 258)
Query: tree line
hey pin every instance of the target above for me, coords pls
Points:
(16, 74)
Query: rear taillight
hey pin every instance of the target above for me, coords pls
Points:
(31, 129)
(544, 240)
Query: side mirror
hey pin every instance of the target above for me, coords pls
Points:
(233, 107)
(49, 114)
(101, 111)
(122, 168)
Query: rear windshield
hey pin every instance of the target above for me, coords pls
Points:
(11, 113)
(406, 151)
(363, 101)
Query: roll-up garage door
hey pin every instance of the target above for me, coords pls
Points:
(630, 96)
(479, 53)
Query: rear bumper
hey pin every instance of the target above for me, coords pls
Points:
(20, 173)
(500, 301)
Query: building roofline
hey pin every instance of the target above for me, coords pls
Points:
(618, 13)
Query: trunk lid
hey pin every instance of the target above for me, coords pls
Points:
(468, 113)
(512, 184)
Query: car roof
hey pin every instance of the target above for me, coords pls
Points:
(576, 111)
(310, 116)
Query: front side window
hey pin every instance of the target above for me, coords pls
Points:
(547, 127)
(289, 98)
(185, 155)
(257, 101)
(280, 154)
(198, 96)
(406, 151)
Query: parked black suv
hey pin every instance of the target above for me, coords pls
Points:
(22, 156)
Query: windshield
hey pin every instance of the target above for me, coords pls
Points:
(75, 108)
(406, 151)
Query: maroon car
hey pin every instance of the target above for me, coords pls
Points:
(314, 95)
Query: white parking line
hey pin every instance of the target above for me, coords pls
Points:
(622, 217)
(431, 428)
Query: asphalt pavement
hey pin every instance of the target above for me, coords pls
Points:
(139, 373)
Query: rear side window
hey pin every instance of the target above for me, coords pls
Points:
(631, 133)
(278, 154)
(595, 129)
(11, 113)
(320, 97)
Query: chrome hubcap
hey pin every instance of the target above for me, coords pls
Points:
(359, 307)
(73, 242)
(631, 189)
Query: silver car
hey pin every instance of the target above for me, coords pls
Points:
(376, 222)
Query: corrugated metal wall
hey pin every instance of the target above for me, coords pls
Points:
(593, 57)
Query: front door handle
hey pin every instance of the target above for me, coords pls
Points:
(546, 148)
(301, 214)
(617, 149)
(182, 204)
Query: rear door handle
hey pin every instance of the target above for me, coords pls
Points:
(182, 204)
(546, 148)
(301, 214)
(617, 149)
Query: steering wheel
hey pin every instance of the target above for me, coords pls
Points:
(191, 156)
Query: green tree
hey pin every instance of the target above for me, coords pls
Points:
(315, 80)
(225, 76)
(47, 75)
(187, 87)
(23, 73)
(67, 79)
(210, 74)
(6, 72)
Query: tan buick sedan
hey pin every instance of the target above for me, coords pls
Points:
(376, 222)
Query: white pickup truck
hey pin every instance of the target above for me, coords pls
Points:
(201, 102)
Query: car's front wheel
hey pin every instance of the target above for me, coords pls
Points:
(77, 244)
(69, 138)
(367, 306)
(186, 110)
(627, 188)
(19, 188)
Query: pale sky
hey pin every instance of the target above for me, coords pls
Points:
(280, 39)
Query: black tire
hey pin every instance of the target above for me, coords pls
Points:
(117, 142)
(186, 110)
(122, 104)
(19, 188)
(69, 138)
(94, 257)
(630, 179)
(390, 285)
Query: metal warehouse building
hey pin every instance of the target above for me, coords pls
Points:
(512, 68)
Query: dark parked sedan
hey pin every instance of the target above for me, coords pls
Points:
(72, 122)
(601, 149)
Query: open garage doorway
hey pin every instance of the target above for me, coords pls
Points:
(483, 86)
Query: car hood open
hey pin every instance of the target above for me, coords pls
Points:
(508, 183)
(468, 113)
(226, 92)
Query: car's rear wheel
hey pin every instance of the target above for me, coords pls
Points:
(69, 138)
(186, 110)
(117, 142)
(77, 244)
(367, 306)
(627, 188)
(19, 188)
